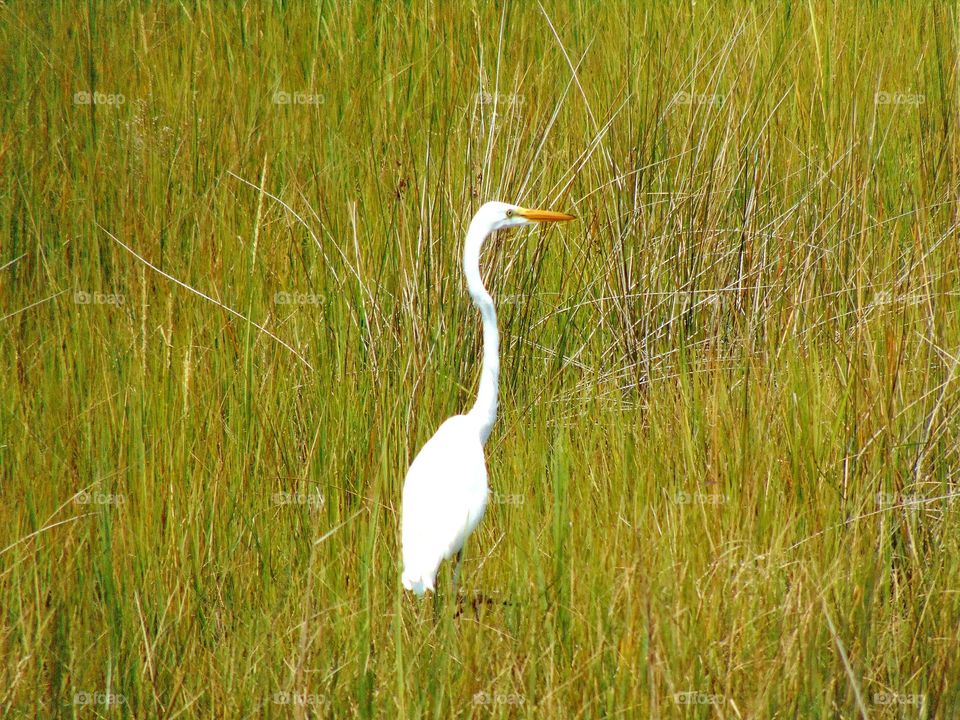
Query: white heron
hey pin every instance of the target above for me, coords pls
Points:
(445, 491)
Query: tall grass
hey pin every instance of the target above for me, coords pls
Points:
(724, 473)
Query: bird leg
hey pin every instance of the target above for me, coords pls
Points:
(456, 572)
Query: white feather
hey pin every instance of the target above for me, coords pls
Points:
(444, 498)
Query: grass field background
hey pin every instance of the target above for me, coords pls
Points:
(723, 472)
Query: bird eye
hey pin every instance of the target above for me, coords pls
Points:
(509, 213)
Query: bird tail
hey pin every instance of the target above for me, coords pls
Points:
(418, 581)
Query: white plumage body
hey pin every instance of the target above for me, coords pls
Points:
(444, 498)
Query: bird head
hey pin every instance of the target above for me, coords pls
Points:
(500, 215)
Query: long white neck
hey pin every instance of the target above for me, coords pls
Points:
(484, 410)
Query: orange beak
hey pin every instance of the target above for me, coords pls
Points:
(543, 215)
